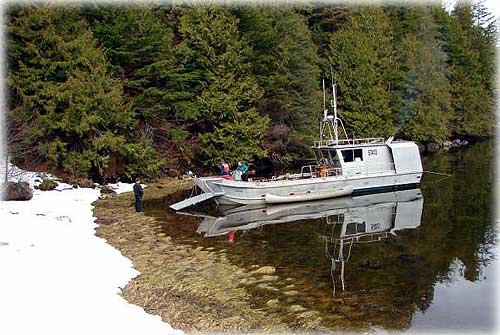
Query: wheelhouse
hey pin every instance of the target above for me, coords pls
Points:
(353, 157)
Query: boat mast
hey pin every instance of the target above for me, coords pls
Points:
(335, 119)
(330, 122)
(325, 114)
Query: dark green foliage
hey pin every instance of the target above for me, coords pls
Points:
(471, 52)
(292, 98)
(139, 46)
(59, 77)
(361, 57)
(47, 185)
(224, 93)
(108, 91)
(426, 104)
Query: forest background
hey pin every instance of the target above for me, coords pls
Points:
(122, 91)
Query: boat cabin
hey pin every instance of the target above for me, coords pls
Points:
(364, 157)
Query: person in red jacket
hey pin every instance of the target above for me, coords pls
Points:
(224, 168)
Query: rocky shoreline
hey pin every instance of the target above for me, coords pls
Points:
(194, 288)
(432, 147)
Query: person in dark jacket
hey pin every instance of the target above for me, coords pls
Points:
(138, 196)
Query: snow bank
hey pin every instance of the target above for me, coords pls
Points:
(123, 187)
(57, 277)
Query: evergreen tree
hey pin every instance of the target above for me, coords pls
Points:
(361, 56)
(104, 90)
(285, 64)
(225, 94)
(471, 60)
(138, 40)
(140, 47)
(426, 104)
(59, 77)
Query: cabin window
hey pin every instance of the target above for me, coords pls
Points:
(354, 228)
(327, 157)
(352, 155)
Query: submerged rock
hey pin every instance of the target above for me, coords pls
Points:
(291, 293)
(265, 286)
(265, 270)
(266, 278)
(272, 302)
(309, 314)
(296, 309)
(18, 191)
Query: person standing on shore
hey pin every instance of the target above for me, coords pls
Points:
(138, 193)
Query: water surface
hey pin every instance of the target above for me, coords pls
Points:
(420, 259)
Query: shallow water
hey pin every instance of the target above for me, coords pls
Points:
(420, 259)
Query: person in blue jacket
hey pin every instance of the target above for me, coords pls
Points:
(244, 170)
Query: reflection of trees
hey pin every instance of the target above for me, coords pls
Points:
(459, 210)
(388, 280)
(456, 224)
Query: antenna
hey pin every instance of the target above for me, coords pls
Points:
(324, 95)
(334, 106)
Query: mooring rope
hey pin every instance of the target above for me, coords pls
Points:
(438, 173)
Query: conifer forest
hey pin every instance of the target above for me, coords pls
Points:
(107, 91)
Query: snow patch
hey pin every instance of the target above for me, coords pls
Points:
(58, 277)
(123, 187)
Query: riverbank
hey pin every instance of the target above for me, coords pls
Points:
(191, 287)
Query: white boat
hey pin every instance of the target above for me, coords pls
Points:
(361, 164)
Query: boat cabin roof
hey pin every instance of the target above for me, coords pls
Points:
(343, 144)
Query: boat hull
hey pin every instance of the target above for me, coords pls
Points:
(307, 196)
(254, 192)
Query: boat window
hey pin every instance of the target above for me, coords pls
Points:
(321, 158)
(329, 157)
(351, 155)
(354, 228)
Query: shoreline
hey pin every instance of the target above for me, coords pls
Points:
(194, 289)
(189, 288)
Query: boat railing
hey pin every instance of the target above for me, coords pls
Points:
(356, 238)
(356, 141)
(310, 171)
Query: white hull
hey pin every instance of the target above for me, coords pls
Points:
(254, 192)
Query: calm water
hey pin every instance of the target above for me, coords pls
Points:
(417, 260)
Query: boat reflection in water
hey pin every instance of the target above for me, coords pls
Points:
(344, 221)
